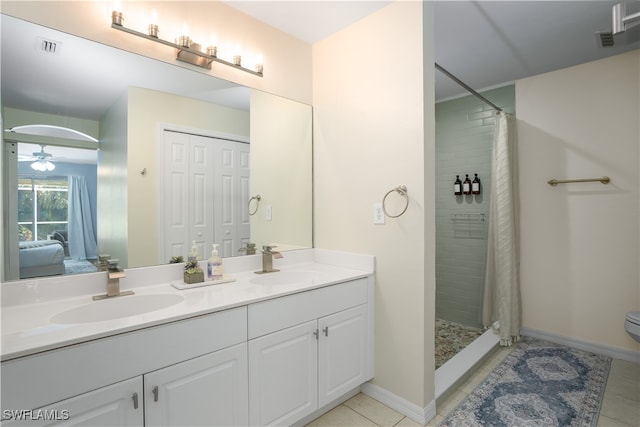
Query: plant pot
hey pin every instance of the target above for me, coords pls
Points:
(194, 277)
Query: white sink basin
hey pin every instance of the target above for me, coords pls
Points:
(284, 278)
(116, 308)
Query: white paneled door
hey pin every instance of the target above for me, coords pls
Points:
(204, 191)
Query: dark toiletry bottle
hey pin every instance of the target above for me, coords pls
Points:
(466, 185)
(457, 186)
(475, 185)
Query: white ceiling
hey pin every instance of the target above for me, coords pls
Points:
(489, 43)
(308, 20)
(484, 43)
(82, 79)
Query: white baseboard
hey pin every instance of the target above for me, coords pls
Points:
(605, 350)
(409, 409)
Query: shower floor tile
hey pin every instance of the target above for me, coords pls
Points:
(451, 338)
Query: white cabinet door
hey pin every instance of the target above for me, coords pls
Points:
(342, 353)
(119, 404)
(210, 390)
(283, 380)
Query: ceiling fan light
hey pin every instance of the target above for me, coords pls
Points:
(42, 165)
(38, 166)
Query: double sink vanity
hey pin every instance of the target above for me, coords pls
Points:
(271, 349)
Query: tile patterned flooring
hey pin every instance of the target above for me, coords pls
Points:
(621, 405)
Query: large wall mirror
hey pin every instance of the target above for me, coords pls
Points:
(182, 158)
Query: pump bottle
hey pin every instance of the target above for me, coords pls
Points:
(466, 186)
(457, 186)
(214, 265)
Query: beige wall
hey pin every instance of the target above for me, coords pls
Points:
(112, 183)
(580, 253)
(373, 99)
(147, 110)
(373, 131)
(287, 61)
(281, 171)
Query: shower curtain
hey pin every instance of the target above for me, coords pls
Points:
(82, 237)
(502, 306)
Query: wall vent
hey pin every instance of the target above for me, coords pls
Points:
(48, 46)
(605, 39)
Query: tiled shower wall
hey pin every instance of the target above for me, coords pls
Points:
(464, 138)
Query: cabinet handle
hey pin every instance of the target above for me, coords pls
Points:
(315, 333)
(326, 331)
(155, 394)
(135, 400)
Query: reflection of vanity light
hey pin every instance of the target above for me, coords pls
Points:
(117, 18)
(153, 26)
(259, 66)
(212, 49)
(187, 50)
(184, 39)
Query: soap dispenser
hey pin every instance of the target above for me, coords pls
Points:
(194, 255)
(214, 265)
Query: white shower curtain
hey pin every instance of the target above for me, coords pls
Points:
(502, 306)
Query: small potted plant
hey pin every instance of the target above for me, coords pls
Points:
(192, 272)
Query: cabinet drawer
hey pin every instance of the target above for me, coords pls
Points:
(34, 381)
(280, 313)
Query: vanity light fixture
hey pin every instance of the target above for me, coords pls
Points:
(188, 51)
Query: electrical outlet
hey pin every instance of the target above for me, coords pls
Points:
(378, 213)
(267, 213)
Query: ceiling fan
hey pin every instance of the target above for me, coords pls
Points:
(42, 161)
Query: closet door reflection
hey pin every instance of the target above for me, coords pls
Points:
(203, 180)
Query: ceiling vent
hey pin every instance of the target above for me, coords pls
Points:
(48, 46)
(605, 39)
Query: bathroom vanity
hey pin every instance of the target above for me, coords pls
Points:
(263, 350)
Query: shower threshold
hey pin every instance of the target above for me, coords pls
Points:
(463, 362)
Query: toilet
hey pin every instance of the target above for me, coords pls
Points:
(632, 324)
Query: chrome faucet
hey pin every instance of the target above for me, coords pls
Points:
(114, 274)
(268, 254)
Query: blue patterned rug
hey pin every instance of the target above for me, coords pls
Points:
(538, 384)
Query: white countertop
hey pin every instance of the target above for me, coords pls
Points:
(26, 319)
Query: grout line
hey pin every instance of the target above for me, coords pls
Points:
(362, 415)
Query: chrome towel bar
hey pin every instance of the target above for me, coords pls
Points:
(554, 182)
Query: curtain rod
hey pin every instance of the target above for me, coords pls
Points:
(466, 86)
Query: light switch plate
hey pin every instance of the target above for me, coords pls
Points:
(378, 213)
(267, 213)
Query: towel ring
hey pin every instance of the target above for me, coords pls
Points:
(257, 199)
(402, 190)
